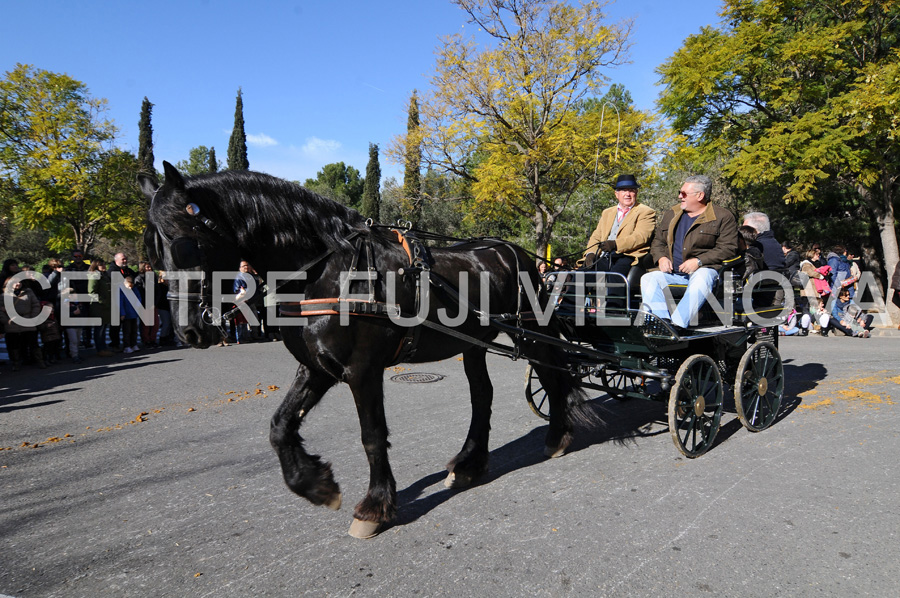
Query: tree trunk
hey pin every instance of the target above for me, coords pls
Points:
(882, 206)
(541, 235)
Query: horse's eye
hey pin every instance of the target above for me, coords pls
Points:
(186, 253)
(192, 209)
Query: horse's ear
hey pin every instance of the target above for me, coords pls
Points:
(173, 177)
(149, 184)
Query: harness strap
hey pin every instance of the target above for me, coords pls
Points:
(332, 306)
(408, 344)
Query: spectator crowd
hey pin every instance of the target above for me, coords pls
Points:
(33, 303)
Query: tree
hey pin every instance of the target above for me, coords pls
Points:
(371, 197)
(145, 138)
(237, 143)
(212, 165)
(412, 180)
(507, 117)
(55, 151)
(801, 95)
(339, 182)
(200, 161)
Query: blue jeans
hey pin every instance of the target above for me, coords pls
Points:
(100, 337)
(699, 286)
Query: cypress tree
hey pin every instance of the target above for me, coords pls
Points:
(371, 200)
(411, 178)
(145, 139)
(213, 165)
(237, 144)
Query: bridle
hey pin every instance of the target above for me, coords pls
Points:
(187, 253)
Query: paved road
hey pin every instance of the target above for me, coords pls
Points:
(152, 476)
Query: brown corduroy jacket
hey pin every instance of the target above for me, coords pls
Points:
(713, 237)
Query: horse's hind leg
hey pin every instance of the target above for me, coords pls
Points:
(380, 503)
(472, 460)
(559, 436)
(564, 398)
(307, 475)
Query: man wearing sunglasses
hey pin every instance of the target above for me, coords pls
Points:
(692, 241)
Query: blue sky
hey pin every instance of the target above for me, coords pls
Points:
(321, 80)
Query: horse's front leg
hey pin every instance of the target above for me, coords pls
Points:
(307, 475)
(472, 461)
(380, 503)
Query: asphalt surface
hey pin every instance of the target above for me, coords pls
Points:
(152, 475)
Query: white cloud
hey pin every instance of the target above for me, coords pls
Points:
(318, 147)
(261, 140)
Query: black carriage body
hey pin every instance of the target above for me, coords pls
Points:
(627, 353)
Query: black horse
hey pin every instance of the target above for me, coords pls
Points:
(209, 223)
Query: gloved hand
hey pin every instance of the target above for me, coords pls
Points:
(608, 246)
(589, 260)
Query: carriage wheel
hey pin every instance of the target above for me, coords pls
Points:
(616, 384)
(695, 405)
(536, 395)
(759, 386)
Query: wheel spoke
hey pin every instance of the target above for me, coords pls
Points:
(688, 420)
(709, 373)
(753, 412)
(691, 427)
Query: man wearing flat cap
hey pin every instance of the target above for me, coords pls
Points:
(622, 236)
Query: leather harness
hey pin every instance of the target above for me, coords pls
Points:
(335, 306)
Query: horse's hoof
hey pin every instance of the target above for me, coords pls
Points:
(457, 480)
(558, 451)
(334, 503)
(364, 529)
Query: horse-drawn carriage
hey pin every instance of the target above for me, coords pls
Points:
(315, 250)
(625, 352)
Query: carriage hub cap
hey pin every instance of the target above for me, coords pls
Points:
(699, 406)
(763, 386)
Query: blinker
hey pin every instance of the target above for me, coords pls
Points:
(186, 253)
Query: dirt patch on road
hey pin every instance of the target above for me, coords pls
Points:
(231, 396)
(867, 392)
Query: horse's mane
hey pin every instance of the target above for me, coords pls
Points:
(259, 210)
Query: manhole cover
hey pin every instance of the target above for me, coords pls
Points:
(416, 378)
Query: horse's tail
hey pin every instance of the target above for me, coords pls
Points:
(581, 412)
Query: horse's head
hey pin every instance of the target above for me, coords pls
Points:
(183, 239)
